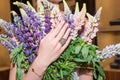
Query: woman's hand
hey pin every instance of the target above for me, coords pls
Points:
(50, 47)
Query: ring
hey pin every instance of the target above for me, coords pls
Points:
(63, 41)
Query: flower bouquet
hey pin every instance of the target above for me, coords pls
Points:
(27, 30)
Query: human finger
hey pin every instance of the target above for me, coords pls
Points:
(65, 45)
(62, 32)
(57, 29)
(59, 45)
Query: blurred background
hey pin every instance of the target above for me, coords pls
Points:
(109, 30)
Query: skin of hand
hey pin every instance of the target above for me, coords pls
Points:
(50, 45)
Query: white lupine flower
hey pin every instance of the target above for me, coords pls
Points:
(109, 51)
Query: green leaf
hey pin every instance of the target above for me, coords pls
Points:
(100, 77)
(95, 74)
(65, 72)
(92, 52)
(61, 74)
(100, 70)
(16, 51)
(85, 51)
(89, 59)
(19, 75)
(80, 60)
(77, 48)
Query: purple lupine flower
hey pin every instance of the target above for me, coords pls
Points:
(30, 39)
(6, 26)
(28, 52)
(25, 45)
(17, 19)
(28, 9)
(109, 51)
(7, 42)
(31, 58)
(47, 20)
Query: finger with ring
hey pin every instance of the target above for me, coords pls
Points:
(63, 41)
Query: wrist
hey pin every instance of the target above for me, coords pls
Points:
(36, 70)
(43, 60)
(40, 64)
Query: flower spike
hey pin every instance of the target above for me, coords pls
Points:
(41, 8)
(81, 15)
(28, 3)
(77, 8)
(91, 18)
(97, 15)
(23, 14)
(17, 20)
(66, 7)
(7, 27)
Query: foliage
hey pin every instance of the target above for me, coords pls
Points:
(79, 54)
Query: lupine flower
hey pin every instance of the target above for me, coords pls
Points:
(79, 18)
(29, 10)
(90, 27)
(7, 42)
(31, 58)
(7, 27)
(28, 29)
(109, 51)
